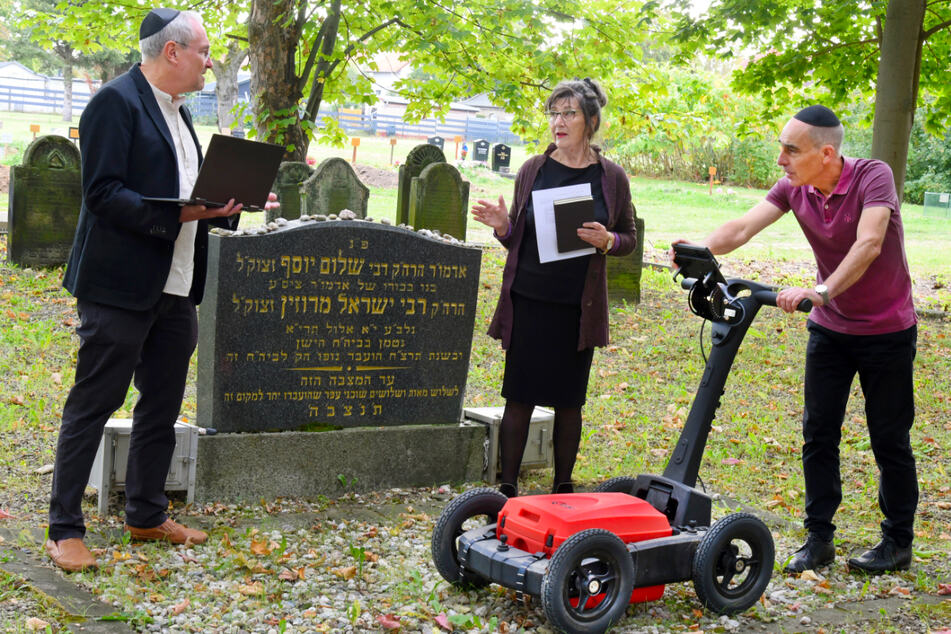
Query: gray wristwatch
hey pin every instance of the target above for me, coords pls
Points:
(823, 291)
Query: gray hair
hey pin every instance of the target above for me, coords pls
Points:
(181, 29)
(828, 136)
(590, 98)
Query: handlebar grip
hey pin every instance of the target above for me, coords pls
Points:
(805, 305)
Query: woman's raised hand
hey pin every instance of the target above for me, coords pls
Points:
(495, 215)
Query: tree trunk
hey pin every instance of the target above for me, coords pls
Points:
(66, 54)
(896, 91)
(226, 84)
(273, 35)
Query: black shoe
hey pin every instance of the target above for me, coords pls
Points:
(508, 490)
(886, 556)
(563, 487)
(814, 553)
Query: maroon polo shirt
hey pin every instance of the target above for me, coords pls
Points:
(880, 301)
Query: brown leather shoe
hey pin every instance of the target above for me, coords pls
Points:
(71, 554)
(169, 531)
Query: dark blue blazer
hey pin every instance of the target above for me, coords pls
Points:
(123, 247)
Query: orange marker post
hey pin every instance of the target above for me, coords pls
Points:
(35, 129)
(392, 147)
(355, 142)
(458, 140)
(713, 172)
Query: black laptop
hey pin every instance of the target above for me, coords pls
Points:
(233, 168)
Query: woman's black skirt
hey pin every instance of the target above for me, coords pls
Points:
(543, 365)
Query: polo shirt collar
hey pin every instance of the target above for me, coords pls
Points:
(845, 178)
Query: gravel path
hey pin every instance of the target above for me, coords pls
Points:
(362, 564)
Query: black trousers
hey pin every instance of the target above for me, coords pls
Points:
(884, 366)
(152, 347)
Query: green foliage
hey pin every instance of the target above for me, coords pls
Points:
(697, 123)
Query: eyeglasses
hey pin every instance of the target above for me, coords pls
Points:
(203, 52)
(567, 115)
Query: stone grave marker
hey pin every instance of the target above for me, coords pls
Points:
(438, 141)
(417, 160)
(501, 157)
(45, 198)
(480, 151)
(439, 199)
(290, 176)
(335, 323)
(333, 187)
(624, 273)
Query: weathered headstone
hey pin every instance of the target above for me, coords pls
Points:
(333, 187)
(480, 151)
(501, 157)
(417, 160)
(624, 273)
(439, 199)
(438, 141)
(45, 197)
(339, 323)
(290, 177)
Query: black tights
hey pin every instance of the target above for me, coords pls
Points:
(513, 434)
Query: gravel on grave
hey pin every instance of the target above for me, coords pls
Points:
(362, 563)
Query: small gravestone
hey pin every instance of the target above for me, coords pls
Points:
(501, 157)
(437, 140)
(624, 273)
(416, 161)
(333, 187)
(290, 176)
(335, 323)
(45, 198)
(480, 151)
(439, 200)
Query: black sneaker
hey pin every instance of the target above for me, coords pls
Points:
(814, 553)
(884, 557)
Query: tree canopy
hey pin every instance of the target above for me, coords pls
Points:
(895, 52)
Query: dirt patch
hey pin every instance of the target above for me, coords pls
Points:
(376, 177)
(4, 179)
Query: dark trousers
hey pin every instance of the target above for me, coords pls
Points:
(152, 347)
(884, 366)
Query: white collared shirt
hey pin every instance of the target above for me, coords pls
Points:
(180, 274)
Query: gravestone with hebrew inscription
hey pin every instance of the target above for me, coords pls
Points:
(290, 176)
(501, 157)
(335, 323)
(416, 161)
(45, 198)
(333, 187)
(439, 200)
(480, 150)
(438, 141)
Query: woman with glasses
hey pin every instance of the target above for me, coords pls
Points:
(551, 315)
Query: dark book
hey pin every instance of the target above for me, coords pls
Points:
(570, 215)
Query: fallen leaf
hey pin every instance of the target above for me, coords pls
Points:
(178, 608)
(731, 461)
(944, 588)
(443, 621)
(809, 575)
(35, 625)
(250, 589)
(261, 547)
(287, 575)
(5, 516)
(389, 621)
(345, 573)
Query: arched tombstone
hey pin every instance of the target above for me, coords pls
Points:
(439, 199)
(45, 198)
(290, 176)
(333, 187)
(416, 161)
